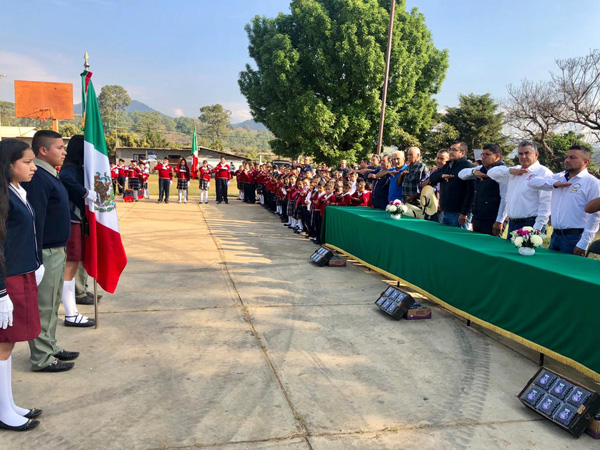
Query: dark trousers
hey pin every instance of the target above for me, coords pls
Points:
(114, 185)
(513, 226)
(437, 217)
(164, 186)
(318, 225)
(222, 190)
(483, 226)
(121, 184)
(564, 243)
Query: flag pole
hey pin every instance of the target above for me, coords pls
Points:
(86, 66)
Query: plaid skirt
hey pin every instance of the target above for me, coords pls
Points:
(145, 185)
(290, 208)
(134, 184)
(182, 183)
(240, 186)
(204, 184)
(259, 189)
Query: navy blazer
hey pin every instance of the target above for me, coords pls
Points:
(72, 178)
(50, 201)
(20, 248)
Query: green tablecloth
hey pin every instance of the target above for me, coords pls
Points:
(549, 301)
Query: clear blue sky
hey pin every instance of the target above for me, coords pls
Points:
(178, 55)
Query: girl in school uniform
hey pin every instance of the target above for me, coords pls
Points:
(19, 265)
(144, 175)
(133, 177)
(183, 179)
(204, 175)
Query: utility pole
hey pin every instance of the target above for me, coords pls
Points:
(387, 76)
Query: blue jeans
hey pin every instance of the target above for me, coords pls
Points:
(565, 243)
(451, 219)
(512, 226)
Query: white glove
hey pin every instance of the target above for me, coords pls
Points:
(39, 274)
(228, 183)
(171, 181)
(91, 195)
(6, 312)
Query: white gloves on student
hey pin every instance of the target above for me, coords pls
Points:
(39, 274)
(6, 312)
(91, 195)
(228, 183)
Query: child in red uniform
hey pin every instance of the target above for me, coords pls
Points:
(145, 174)
(114, 176)
(204, 176)
(165, 178)
(361, 197)
(134, 180)
(183, 178)
(346, 198)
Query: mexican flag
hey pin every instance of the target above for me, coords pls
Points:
(105, 256)
(194, 156)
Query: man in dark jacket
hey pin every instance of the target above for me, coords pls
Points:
(456, 196)
(489, 201)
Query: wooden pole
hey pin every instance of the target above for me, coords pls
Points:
(387, 76)
(55, 125)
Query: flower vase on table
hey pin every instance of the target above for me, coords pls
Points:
(396, 208)
(526, 240)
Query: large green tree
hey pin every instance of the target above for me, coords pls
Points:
(112, 101)
(320, 72)
(477, 120)
(215, 123)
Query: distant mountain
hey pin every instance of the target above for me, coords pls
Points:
(134, 106)
(252, 124)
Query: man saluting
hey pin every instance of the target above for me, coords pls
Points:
(222, 176)
(572, 190)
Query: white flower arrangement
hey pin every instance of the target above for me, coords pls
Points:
(396, 207)
(527, 237)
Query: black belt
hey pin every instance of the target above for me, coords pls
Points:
(568, 231)
(526, 219)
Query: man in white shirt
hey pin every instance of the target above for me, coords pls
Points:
(572, 190)
(525, 206)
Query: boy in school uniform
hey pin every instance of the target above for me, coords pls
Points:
(133, 176)
(346, 197)
(165, 178)
(50, 201)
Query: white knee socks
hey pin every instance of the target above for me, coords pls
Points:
(19, 411)
(69, 303)
(7, 413)
(203, 196)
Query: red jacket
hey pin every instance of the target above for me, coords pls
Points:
(183, 173)
(123, 171)
(204, 174)
(133, 172)
(345, 200)
(361, 199)
(327, 200)
(164, 171)
(222, 171)
(114, 172)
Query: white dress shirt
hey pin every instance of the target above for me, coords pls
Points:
(467, 174)
(568, 203)
(523, 201)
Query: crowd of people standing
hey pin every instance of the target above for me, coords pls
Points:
(486, 196)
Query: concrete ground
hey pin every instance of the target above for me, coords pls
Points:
(222, 334)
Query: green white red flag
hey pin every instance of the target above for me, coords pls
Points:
(105, 257)
(194, 156)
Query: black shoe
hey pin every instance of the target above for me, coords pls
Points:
(166, 201)
(218, 203)
(64, 355)
(57, 366)
(87, 299)
(29, 425)
(33, 413)
(78, 322)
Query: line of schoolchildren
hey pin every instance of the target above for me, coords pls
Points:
(135, 177)
(42, 229)
(300, 195)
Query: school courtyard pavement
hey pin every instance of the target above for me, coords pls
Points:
(223, 335)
